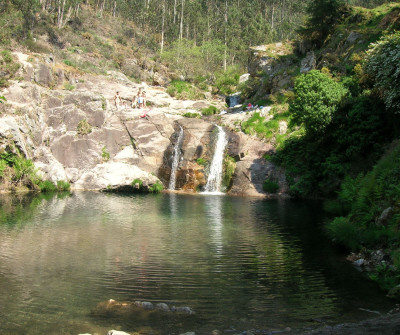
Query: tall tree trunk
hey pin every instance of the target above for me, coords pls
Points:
(162, 27)
(102, 7)
(60, 13)
(67, 17)
(115, 8)
(77, 10)
(181, 25)
(225, 33)
(272, 17)
(175, 11)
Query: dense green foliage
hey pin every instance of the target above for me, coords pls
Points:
(317, 97)
(382, 65)
(370, 204)
(270, 186)
(210, 110)
(18, 172)
(324, 15)
(156, 188)
(229, 166)
(8, 68)
(183, 90)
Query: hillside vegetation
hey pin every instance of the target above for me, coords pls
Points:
(344, 123)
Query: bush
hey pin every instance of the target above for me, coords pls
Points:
(24, 169)
(183, 90)
(105, 155)
(8, 69)
(63, 186)
(229, 166)
(84, 127)
(227, 81)
(344, 233)
(382, 65)
(47, 186)
(156, 188)
(317, 97)
(211, 110)
(137, 181)
(270, 186)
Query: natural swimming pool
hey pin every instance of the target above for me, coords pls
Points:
(239, 263)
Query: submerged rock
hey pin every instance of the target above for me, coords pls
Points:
(138, 310)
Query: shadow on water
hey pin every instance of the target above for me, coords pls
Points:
(239, 263)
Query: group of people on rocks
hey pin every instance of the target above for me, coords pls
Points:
(138, 101)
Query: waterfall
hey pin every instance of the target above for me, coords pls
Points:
(215, 175)
(234, 99)
(175, 162)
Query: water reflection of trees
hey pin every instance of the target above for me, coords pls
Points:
(18, 209)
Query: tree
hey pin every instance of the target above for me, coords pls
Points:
(317, 96)
(324, 15)
(382, 64)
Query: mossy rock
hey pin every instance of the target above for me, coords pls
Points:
(394, 293)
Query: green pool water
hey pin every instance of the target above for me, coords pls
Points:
(239, 263)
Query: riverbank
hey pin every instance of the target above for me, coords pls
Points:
(384, 325)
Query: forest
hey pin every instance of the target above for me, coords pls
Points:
(222, 30)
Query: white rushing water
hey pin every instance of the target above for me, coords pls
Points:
(175, 162)
(215, 176)
(234, 100)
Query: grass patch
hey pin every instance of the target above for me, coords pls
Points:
(201, 161)
(105, 154)
(8, 68)
(156, 188)
(84, 128)
(211, 110)
(192, 115)
(184, 90)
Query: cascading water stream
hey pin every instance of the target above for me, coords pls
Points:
(215, 176)
(175, 162)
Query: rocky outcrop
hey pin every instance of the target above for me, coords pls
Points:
(267, 64)
(308, 63)
(78, 134)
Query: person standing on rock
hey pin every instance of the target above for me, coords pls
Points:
(144, 98)
(117, 100)
(140, 98)
(135, 101)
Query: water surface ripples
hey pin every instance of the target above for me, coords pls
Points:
(239, 263)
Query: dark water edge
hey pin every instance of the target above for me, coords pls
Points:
(240, 263)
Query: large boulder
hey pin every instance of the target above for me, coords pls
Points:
(308, 63)
(44, 75)
(113, 176)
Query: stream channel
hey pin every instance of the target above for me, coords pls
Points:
(239, 263)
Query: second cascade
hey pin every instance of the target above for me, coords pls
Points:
(214, 180)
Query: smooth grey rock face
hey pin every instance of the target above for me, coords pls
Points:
(308, 63)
